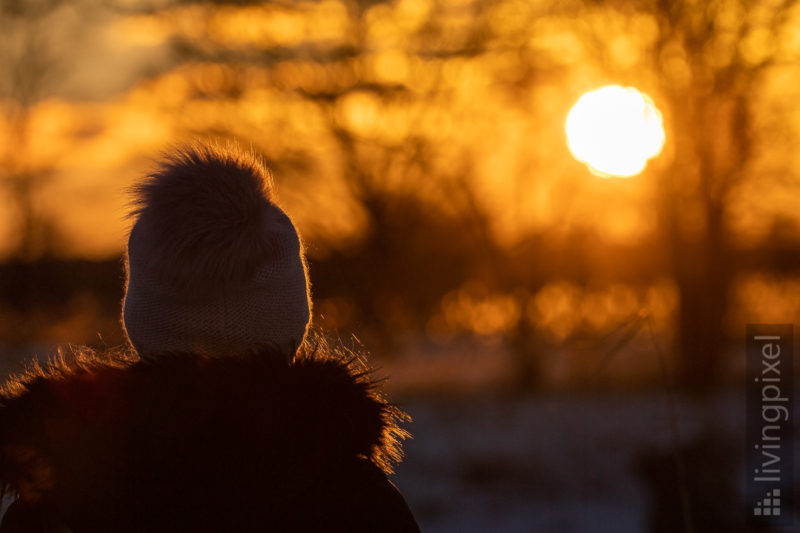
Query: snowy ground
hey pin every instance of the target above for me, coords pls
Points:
(547, 464)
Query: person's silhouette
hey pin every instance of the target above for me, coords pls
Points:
(226, 417)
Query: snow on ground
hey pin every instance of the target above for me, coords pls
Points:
(558, 463)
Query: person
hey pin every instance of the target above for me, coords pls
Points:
(227, 415)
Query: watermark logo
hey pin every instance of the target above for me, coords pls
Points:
(770, 421)
(770, 505)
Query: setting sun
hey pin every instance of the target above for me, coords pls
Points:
(614, 130)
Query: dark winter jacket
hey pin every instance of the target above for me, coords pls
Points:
(184, 443)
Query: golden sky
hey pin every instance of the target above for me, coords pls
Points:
(436, 96)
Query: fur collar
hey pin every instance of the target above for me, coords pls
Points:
(111, 429)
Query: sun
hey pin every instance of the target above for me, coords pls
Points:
(614, 130)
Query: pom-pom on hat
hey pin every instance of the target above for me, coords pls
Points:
(214, 266)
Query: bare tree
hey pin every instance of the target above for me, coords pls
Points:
(35, 55)
(711, 81)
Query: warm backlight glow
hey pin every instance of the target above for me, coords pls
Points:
(614, 130)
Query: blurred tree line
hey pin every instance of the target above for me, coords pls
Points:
(420, 145)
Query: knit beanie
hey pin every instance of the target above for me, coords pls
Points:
(214, 266)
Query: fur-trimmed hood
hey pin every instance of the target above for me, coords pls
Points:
(182, 443)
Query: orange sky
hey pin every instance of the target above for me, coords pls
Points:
(492, 125)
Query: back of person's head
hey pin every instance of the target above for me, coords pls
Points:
(214, 266)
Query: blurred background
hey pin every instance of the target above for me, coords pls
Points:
(559, 335)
